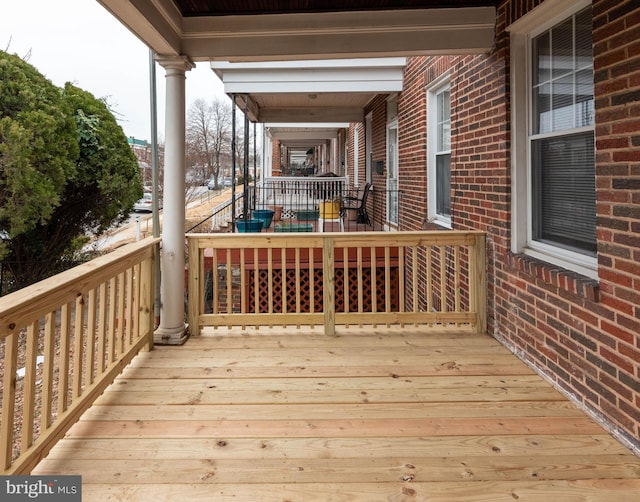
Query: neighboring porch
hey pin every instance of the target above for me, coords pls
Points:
(372, 414)
(299, 204)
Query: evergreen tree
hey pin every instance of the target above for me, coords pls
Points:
(72, 159)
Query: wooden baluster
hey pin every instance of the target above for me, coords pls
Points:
(9, 398)
(47, 371)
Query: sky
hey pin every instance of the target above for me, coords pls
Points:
(78, 41)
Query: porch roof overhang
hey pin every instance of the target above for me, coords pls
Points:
(298, 136)
(249, 43)
(309, 91)
(278, 30)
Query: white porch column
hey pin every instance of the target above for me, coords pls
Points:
(172, 329)
(267, 154)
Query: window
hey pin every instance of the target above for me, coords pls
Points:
(439, 151)
(553, 127)
(368, 147)
(356, 149)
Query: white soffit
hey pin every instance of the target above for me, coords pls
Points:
(310, 91)
(377, 76)
(305, 133)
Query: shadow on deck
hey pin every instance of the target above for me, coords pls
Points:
(372, 414)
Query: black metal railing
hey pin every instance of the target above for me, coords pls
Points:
(221, 216)
(297, 204)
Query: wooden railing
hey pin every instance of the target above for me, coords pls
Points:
(63, 341)
(435, 279)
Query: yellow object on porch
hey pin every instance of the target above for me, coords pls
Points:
(330, 209)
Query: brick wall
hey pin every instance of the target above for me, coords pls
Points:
(412, 139)
(480, 170)
(614, 329)
(583, 335)
(378, 201)
(378, 108)
(276, 160)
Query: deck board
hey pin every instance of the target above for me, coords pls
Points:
(367, 415)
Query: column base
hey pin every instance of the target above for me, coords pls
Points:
(171, 336)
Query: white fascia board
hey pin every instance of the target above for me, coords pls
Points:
(373, 87)
(281, 37)
(289, 78)
(327, 24)
(312, 64)
(306, 135)
(302, 125)
(303, 115)
(344, 74)
(444, 43)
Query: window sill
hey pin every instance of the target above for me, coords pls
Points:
(566, 280)
(435, 225)
(441, 222)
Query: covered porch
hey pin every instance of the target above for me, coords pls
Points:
(378, 400)
(234, 37)
(410, 402)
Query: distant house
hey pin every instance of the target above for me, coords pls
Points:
(142, 150)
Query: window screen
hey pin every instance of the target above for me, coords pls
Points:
(443, 154)
(562, 151)
(564, 191)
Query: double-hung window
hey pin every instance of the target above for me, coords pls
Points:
(554, 151)
(439, 148)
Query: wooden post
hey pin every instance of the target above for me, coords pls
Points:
(328, 287)
(9, 398)
(478, 283)
(145, 308)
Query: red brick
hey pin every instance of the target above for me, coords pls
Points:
(616, 360)
(616, 331)
(603, 314)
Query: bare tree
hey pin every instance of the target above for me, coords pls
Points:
(208, 136)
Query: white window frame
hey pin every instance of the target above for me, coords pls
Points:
(442, 83)
(540, 19)
(393, 194)
(368, 146)
(356, 159)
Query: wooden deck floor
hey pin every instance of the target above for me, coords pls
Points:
(370, 415)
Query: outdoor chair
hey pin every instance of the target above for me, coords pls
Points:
(359, 204)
